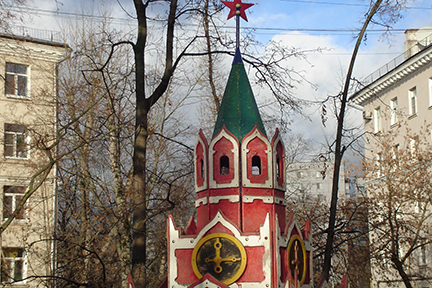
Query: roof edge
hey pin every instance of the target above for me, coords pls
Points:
(407, 67)
(34, 40)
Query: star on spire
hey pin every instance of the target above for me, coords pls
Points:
(237, 8)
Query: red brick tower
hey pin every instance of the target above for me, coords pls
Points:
(241, 236)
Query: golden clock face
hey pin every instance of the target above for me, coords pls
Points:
(221, 255)
(297, 258)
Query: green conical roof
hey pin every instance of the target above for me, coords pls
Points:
(238, 111)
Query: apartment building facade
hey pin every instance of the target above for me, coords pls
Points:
(397, 101)
(313, 181)
(28, 69)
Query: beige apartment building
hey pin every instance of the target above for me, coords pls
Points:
(313, 181)
(28, 69)
(396, 97)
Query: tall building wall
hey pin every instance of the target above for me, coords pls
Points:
(28, 70)
(399, 103)
(314, 180)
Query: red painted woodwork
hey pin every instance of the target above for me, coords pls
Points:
(254, 215)
(280, 164)
(257, 148)
(231, 210)
(230, 206)
(191, 228)
(203, 215)
(223, 147)
(308, 268)
(278, 161)
(258, 192)
(208, 278)
(200, 164)
(219, 228)
(240, 185)
(254, 267)
(284, 263)
(280, 212)
(202, 209)
(187, 274)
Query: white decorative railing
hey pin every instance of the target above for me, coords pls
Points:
(422, 44)
(47, 35)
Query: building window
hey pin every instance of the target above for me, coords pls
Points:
(319, 186)
(278, 167)
(202, 168)
(412, 94)
(377, 117)
(422, 256)
(256, 165)
(16, 80)
(395, 151)
(16, 141)
(430, 91)
(412, 147)
(12, 264)
(393, 107)
(12, 195)
(224, 165)
(379, 159)
(395, 158)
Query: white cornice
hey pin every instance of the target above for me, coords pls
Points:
(33, 50)
(399, 73)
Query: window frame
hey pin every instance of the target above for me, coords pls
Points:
(412, 101)
(15, 133)
(423, 261)
(14, 202)
(256, 165)
(412, 147)
(224, 165)
(13, 261)
(16, 76)
(377, 120)
(379, 160)
(394, 106)
(430, 91)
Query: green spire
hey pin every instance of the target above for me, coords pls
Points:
(238, 111)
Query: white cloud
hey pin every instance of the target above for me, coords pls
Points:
(326, 69)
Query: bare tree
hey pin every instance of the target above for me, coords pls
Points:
(382, 13)
(95, 216)
(400, 190)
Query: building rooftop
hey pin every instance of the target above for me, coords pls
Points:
(391, 65)
(47, 37)
(238, 111)
(418, 53)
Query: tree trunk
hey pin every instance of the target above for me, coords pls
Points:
(139, 208)
(216, 100)
(339, 151)
(399, 267)
(143, 105)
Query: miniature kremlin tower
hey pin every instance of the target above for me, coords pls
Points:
(241, 236)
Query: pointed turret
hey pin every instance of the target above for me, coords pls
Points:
(239, 236)
(238, 111)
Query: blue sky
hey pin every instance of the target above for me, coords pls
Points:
(305, 24)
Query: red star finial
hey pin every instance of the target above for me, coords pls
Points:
(237, 8)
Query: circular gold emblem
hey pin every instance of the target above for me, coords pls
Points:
(221, 255)
(297, 258)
